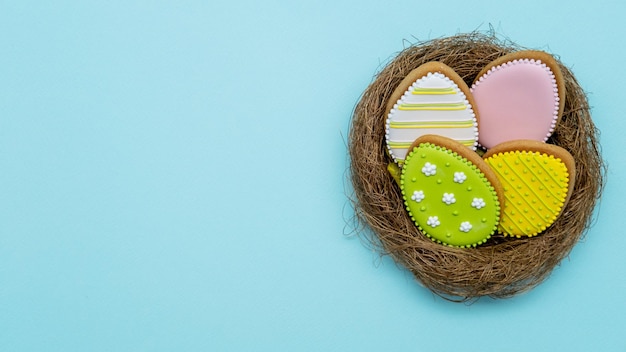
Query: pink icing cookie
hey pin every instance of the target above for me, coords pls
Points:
(519, 96)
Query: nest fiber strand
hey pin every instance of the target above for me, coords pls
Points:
(504, 266)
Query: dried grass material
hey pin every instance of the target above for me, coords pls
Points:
(504, 266)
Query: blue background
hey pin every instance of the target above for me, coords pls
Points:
(173, 178)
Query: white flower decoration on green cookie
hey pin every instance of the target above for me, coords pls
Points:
(459, 177)
(418, 196)
(465, 226)
(433, 221)
(448, 198)
(478, 203)
(429, 169)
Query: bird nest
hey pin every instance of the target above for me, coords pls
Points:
(504, 266)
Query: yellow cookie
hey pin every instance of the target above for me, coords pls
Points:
(538, 180)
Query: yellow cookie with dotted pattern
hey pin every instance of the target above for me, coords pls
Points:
(537, 179)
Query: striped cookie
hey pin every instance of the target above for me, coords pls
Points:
(434, 100)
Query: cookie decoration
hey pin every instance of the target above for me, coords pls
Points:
(519, 96)
(537, 179)
(449, 192)
(432, 99)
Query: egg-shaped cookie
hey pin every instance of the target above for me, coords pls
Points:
(449, 192)
(537, 179)
(432, 99)
(519, 96)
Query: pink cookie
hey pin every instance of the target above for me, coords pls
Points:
(519, 96)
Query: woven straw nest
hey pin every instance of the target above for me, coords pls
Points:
(504, 266)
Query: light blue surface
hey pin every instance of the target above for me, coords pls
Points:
(172, 178)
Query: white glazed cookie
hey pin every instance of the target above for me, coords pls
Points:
(431, 100)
